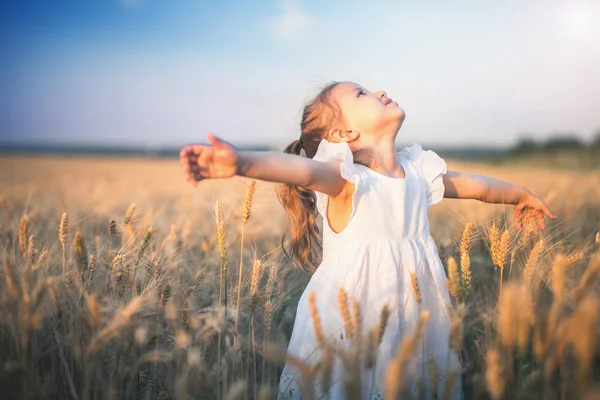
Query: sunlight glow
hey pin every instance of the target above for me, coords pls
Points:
(578, 21)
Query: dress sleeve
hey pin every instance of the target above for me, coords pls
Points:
(432, 169)
(341, 152)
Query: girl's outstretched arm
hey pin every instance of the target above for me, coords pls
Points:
(528, 207)
(220, 159)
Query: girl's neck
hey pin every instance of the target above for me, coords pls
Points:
(382, 158)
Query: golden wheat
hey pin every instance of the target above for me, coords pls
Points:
(257, 267)
(414, 281)
(529, 271)
(465, 258)
(345, 312)
(316, 320)
(454, 283)
(494, 376)
(22, 236)
(494, 234)
(157, 350)
(395, 380)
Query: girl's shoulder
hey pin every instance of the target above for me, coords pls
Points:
(411, 153)
(429, 166)
(423, 159)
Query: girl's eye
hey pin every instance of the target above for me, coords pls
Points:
(360, 92)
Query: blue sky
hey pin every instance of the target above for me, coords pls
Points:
(163, 72)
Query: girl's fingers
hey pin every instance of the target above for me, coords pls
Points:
(548, 213)
(540, 218)
(518, 217)
(217, 142)
(533, 224)
(190, 179)
(212, 139)
(185, 152)
(202, 166)
(197, 150)
(204, 172)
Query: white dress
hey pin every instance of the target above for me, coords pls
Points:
(387, 238)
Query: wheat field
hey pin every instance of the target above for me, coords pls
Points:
(119, 281)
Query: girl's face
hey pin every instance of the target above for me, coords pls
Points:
(368, 113)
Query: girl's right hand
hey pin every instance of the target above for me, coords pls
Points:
(217, 160)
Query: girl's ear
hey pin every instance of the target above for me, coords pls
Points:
(342, 135)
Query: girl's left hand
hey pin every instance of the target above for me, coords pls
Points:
(530, 211)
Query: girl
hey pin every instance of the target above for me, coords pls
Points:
(376, 241)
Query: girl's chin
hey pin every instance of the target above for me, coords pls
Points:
(399, 114)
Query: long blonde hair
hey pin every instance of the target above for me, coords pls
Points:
(304, 245)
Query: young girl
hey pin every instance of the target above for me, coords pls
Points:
(376, 239)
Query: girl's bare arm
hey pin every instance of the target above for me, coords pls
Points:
(461, 185)
(292, 170)
(220, 159)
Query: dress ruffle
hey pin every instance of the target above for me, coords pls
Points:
(432, 168)
(329, 151)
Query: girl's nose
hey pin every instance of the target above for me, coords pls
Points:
(382, 94)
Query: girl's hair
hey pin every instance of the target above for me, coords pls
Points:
(300, 203)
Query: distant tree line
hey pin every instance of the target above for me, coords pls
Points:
(555, 143)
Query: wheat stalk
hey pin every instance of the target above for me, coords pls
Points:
(80, 252)
(508, 310)
(120, 321)
(222, 255)
(582, 334)
(326, 369)
(305, 372)
(465, 258)
(345, 312)
(257, 268)
(415, 287)
(494, 234)
(532, 260)
(94, 312)
(91, 268)
(112, 227)
(248, 202)
(247, 207)
(41, 259)
(129, 216)
(557, 277)
(588, 278)
(31, 249)
(493, 375)
(314, 313)
(271, 281)
(268, 321)
(395, 383)
(22, 236)
(222, 274)
(503, 251)
(457, 316)
(383, 320)
(376, 337)
(63, 231)
(13, 288)
(357, 324)
(453, 282)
